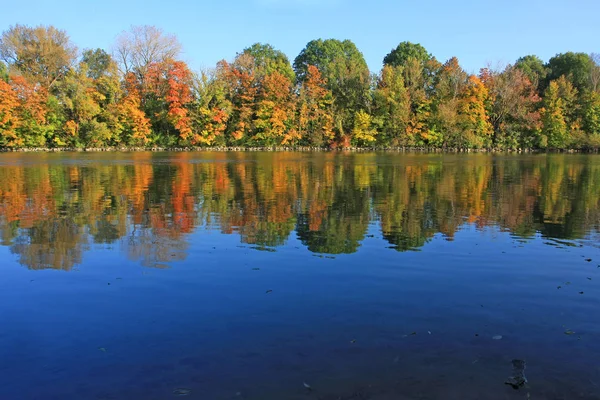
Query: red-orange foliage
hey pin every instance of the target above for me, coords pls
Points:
(315, 117)
(21, 103)
(171, 80)
(131, 116)
(275, 111)
(243, 89)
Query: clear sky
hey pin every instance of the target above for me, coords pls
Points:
(478, 32)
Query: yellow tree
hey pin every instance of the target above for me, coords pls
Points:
(275, 112)
(315, 122)
(473, 117)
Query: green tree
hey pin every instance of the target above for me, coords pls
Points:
(403, 52)
(3, 72)
(558, 113)
(42, 54)
(346, 73)
(268, 60)
(577, 67)
(99, 63)
(533, 67)
(391, 107)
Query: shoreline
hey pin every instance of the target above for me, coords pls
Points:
(127, 149)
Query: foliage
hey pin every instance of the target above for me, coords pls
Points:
(405, 51)
(147, 96)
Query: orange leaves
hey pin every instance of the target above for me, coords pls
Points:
(9, 120)
(472, 111)
(171, 80)
(134, 120)
(21, 104)
(315, 109)
(275, 111)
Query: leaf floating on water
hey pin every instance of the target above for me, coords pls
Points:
(569, 332)
(182, 392)
(497, 337)
(268, 291)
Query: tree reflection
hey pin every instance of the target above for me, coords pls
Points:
(149, 203)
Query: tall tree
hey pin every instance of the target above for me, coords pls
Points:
(450, 82)
(405, 51)
(211, 110)
(267, 60)
(473, 118)
(315, 122)
(595, 72)
(346, 73)
(513, 107)
(391, 107)
(275, 112)
(533, 68)
(23, 112)
(577, 67)
(42, 54)
(559, 113)
(142, 46)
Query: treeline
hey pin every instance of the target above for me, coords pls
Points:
(52, 95)
(149, 205)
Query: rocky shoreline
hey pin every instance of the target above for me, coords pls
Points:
(286, 149)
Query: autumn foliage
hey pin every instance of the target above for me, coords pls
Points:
(146, 96)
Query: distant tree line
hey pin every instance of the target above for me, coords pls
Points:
(53, 95)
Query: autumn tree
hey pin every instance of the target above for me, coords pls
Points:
(534, 69)
(211, 109)
(513, 107)
(315, 121)
(142, 46)
(267, 60)
(42, 54)
(135, 126)
(346, 73)
(242, 90)
(167, 95)
(392, 108)
(275, 112)
(473, 119)
(23, 113)
(595, 73)
(450, 83)
(559, 112)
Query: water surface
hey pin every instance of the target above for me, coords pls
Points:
(247, 275)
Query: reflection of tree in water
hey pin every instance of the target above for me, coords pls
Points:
(338, 213)
(56, 243)
(152, 202)
(153, 249)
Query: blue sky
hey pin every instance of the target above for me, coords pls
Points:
(477, 32)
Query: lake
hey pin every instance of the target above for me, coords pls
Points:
(282, 275)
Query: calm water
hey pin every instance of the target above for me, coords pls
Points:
(248, 275)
